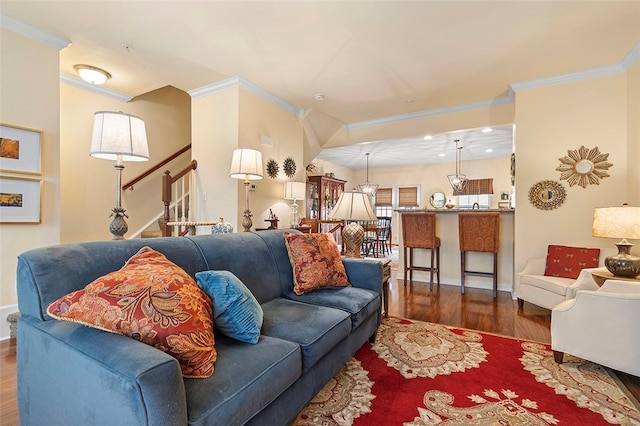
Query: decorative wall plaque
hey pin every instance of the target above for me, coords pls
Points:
(289, 167)
(272, 168)
(584, 166)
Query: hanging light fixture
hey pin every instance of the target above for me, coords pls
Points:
(458, 180)
(368, 187)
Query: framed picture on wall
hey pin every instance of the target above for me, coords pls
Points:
(20, 200)
(20, 150)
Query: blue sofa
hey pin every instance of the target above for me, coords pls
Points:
(73, 374)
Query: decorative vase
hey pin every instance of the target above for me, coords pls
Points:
(222, 227)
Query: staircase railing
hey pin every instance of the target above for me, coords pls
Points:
(179, 192)
(129, 185)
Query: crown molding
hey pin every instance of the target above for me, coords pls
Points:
(73, 81)
(632, 58)
(568, 78)
(33, 33)
(503, 100)
(245, 84)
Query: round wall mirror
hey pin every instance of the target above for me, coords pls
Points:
(438, 200)
(584, 166)
(547, 195)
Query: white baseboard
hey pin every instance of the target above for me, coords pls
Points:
(469, 282)
(5, 331)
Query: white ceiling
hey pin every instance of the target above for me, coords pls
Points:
(370, 59)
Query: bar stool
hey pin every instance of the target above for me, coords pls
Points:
(479, 232)
(419, 231)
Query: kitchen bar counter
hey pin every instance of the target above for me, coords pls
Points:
(447, 230)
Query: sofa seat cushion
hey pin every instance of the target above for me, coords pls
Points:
(556, 285)
(248, 377)
(360, 303)
(315, 328)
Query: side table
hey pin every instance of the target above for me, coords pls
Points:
(386, 282)
(601, 276)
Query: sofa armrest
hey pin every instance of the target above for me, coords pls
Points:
(123, 381)
(364, 273)
(583, 282)
(534, 266)
(620, 287)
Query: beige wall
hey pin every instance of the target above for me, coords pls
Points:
(633, 145)
(88, 185)
(29, 97)
(232, 119)
(549, 121)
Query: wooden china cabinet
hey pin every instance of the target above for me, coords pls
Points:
(322, 194)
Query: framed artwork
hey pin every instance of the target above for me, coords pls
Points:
(20, 200)
(20, 150)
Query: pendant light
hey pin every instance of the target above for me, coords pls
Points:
(368, 187)
(458, 180)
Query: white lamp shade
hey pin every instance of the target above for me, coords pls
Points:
(246, 164)
(353, 206)
(119, 134)
(617, 222)
(294, 190)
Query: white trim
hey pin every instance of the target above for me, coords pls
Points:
(77, 82)
(33, 33)
(4, 324)
(632, 58)
(568, 78)
(245, 84)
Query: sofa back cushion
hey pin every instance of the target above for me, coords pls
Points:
(48, 273)
(247, 256)
(567, 262)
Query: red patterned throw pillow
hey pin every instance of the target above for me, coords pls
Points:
(567, 262)
(316, 262)
(152, 300)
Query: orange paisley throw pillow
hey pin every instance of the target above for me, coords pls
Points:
(316, 262)
(152, 300)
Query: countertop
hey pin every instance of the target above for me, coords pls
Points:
(445, 210)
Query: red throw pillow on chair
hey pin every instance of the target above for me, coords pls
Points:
(567, 262)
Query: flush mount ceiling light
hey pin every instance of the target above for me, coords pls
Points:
(92, 75)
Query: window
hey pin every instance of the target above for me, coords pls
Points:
(408, 196)
(384, 202)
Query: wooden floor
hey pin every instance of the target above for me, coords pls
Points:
(475, 310)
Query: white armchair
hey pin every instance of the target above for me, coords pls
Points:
(535, 287)
(601, 326)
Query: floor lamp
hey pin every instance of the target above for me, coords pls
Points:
(120, 137)
(246, 164)
(294, 191)
(353, 206)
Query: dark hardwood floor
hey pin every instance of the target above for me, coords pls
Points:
(475, 310)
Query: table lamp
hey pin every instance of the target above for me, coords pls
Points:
(294, 191)
(619, 222)
(120, 137)
(353, 206)
(246, 164)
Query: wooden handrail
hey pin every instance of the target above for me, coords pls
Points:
(129, 185)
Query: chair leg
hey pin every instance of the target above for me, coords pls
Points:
(406, 265)
(411, 263)
(520, 303)
(495, 275)
(462, 269)
(431, 270)
(558, 356)
(438, 265)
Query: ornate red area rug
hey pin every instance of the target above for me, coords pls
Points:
(419, 373)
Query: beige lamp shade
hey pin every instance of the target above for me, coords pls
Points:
(246, 164)
(116, 134)
(617, 222)
(294, 190)
(353, 206)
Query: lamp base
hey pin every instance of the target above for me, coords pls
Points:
(623, 264)
(118, 226)
(247, 223)
(352, 238)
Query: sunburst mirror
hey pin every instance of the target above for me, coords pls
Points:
(584, 166)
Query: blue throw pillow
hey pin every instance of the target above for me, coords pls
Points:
(236, 312)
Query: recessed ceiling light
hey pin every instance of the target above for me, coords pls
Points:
(488, 150)
(319, 97)
(428, 138)
(92, 75)
(487, 130)
(441, 154)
